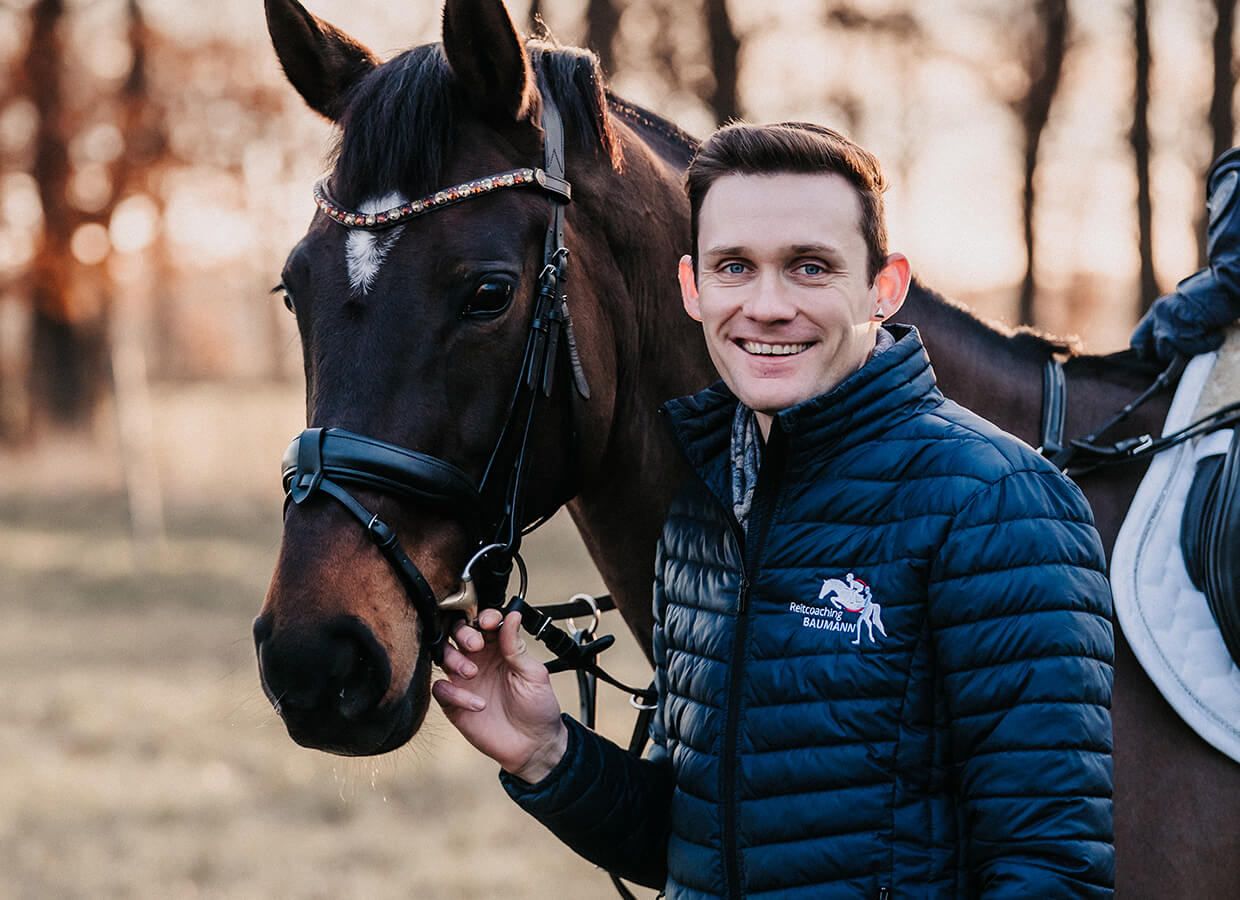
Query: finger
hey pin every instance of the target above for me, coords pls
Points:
(452, 696)
(457, 663)
(512, 646)
(489, 619)
(467, 637)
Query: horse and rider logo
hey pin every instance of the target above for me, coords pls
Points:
(847, 595)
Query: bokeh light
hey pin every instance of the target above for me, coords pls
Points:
(135, 224)
(90, 244)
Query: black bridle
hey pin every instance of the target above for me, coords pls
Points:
(329, 460)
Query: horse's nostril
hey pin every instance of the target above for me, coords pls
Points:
(335, 670)
(362, 672)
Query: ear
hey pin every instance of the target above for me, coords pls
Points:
(320, 62)
(688, 288)
(488, 59)
(891, 285)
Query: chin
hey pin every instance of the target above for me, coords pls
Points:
(772, 404)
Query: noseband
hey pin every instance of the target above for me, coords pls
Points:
(326, 460)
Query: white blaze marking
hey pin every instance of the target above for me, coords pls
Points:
(366, 250)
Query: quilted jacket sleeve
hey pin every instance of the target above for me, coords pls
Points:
(1020, 616)
(606, 804)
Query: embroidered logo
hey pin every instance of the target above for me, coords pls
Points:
(850, 595)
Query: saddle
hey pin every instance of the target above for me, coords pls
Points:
(1175, 567)
(1210, 538)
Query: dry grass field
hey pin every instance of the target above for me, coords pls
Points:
(138, 757)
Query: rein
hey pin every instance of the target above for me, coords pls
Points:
(328, 460)
(1082, 456)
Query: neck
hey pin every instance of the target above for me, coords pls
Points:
(764, 421)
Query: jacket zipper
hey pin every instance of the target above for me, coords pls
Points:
(753, 544)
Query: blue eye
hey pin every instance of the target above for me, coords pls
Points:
(812, 269)
(734, 268)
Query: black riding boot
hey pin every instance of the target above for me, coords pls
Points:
(1191, 320)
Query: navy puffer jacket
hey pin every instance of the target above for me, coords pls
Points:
(897, 684)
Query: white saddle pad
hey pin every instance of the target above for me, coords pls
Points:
(1166, 620)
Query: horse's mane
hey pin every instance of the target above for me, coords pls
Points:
(1027, 341)
(1034, 344)
(680, 143)
(398, 124)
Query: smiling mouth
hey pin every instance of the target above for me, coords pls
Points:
(759, 349)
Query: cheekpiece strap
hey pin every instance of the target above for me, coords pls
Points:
(309, 473)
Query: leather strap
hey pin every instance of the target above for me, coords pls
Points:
(1054, 402)
(355, 459)
(304, 483)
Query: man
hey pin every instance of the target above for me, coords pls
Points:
(882, 642)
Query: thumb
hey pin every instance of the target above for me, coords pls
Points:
(513, 648)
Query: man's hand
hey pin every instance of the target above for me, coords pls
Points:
(500, 698)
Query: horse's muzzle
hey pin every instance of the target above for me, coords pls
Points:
(328, 683)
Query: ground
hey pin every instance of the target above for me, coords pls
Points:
(138, 756)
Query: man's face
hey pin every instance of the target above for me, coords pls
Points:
(782, 288)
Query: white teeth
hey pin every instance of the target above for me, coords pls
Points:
(771, 349)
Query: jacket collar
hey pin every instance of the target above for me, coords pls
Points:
(892, 385)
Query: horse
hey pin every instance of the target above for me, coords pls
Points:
(415, 333)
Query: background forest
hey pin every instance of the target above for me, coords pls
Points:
(1047, 159)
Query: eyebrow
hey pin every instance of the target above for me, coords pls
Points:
(816, 249)
(794, 250)
(725, 251)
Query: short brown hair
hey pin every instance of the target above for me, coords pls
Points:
(792, 147)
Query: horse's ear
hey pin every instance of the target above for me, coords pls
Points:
(487, 57)
(321, 62)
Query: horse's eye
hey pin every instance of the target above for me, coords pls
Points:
(489, 299)
(288, 298)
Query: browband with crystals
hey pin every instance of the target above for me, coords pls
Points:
(386, 219)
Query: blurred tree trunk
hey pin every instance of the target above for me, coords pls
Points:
(1222, 122)
(1045, 51)
(724, 52)
(68, 344)
(602, 23)
(1139, 139)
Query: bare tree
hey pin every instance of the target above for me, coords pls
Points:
(1139, 140)
(67, 359)
(602, 23)
(725, 47)
(1045, 47)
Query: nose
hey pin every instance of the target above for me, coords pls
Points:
(328, 671)
(769, 300)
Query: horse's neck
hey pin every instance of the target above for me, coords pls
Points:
(634, 226)
(976, 366)
(1000, 378)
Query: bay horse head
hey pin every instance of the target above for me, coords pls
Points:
(444, 392)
